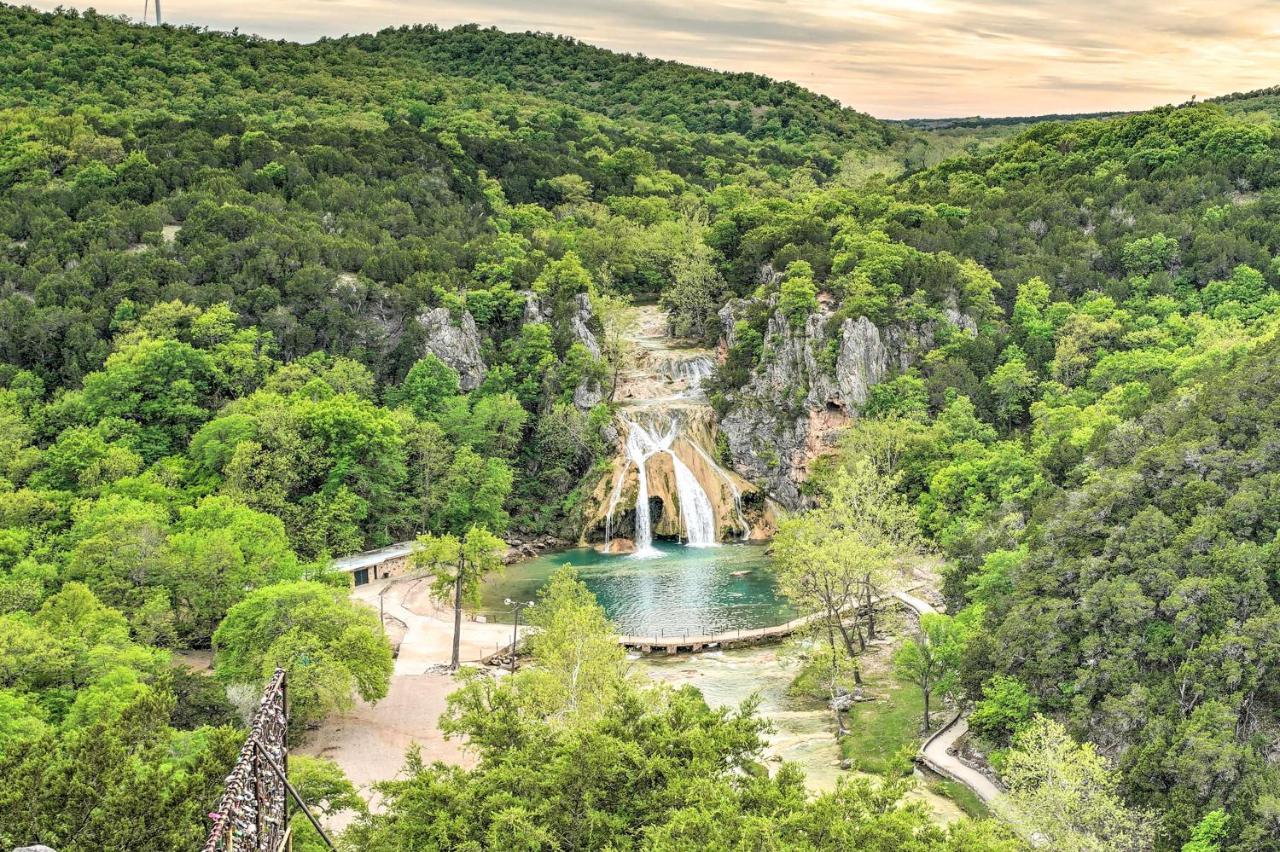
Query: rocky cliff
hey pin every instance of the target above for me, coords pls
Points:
(455, 343)
(798, 397)
(582, 324)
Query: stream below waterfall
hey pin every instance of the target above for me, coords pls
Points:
(803, 732)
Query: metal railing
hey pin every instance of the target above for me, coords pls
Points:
(253, 813)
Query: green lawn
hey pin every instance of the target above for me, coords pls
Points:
(966, 799)
(880, 730)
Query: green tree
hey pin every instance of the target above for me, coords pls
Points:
(1004, 707)
(333, 649)
(458, 565)
(799, 295)
(1208, 833)
(426, 386)
(834, 557)
(1062, 793)
(692, 295)
(931, 659)
(1013, 385)
(325, 788)
(578, 663)
(473, 492)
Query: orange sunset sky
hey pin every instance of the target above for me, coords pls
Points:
(891, 58)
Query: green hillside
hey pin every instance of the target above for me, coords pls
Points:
(263, 304)
(672, 94)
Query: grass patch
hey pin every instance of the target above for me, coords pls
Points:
(965, 799)
(880, 730)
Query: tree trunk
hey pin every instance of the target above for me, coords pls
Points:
(848, 642)
(613, 384)
(926, 709)
(831, 684)
(848, 646)
(457, 621)
(871, 612)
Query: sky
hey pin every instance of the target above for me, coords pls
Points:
(890, 58)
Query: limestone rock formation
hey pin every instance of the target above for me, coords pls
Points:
(790, 410)
(588, 394)
(457, 345)
(532, 308)
(581, 321)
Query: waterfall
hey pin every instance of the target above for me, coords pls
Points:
(697, 515)
(695, 506)
(641, 444)
(663, 408)
(740, 517)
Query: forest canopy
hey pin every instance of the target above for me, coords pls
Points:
(263, 304)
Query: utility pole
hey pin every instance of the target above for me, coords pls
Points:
(515, 630)
(157, 13)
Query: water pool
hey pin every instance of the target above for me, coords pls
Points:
(685, 590)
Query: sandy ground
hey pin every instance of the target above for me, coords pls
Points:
(198, 661)
(370, 742)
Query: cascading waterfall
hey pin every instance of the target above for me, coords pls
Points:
(692, 371)
(697, 515)
(695, 506)
(663, 408)
(734, 490)
(641, 445)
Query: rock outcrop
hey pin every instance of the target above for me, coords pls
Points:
(456, 344)
(799, 396)
(589, 392)
(580, 323)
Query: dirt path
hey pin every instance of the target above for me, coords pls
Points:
(370, 742)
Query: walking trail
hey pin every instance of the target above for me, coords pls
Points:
(370, 741)
(935, 752)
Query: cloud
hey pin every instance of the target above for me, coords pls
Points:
(892, 58)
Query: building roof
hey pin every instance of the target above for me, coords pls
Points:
(373, 557)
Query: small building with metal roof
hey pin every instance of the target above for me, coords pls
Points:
(389, 561)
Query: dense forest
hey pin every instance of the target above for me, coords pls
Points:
(263, 304)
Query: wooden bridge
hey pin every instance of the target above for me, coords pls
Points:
(691, 643)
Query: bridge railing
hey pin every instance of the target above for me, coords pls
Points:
(252, 815)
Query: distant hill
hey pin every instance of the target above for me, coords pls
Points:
(977, 122)
(1259, 100)
(625, 85)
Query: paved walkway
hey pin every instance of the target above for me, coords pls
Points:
(935, 753)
